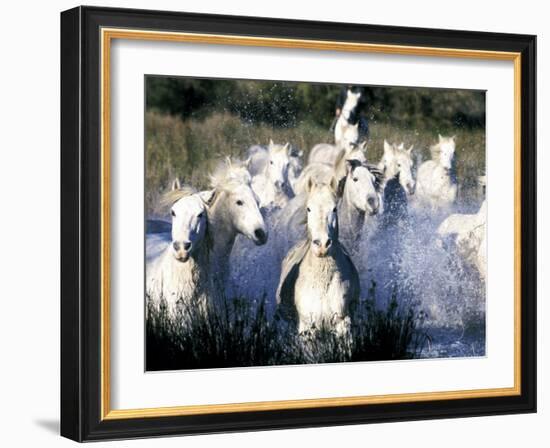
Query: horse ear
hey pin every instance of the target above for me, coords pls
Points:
(388, 149)
(176, 185)
(351, 164)
(440, 138)
(271, 144)
(310, 185)
(248, 162)
(286, 147)
(401, 146)
(410, 149)
(453, 138)
(208, 196)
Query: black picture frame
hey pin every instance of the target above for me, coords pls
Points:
(81, 224)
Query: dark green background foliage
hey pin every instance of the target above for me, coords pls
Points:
(192, 123)
(285, 104)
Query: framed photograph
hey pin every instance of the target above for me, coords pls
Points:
(276, 224)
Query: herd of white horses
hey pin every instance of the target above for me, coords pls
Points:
(312, 215)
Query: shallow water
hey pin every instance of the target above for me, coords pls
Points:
(405, 260)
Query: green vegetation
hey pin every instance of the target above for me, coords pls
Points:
(189, 149)
(288, 104)
(242, 333)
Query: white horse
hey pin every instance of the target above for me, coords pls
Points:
(229, 209)
(344, 130)
(436, 186)
(469, 232)
(360, 199)
(232, 210)
(273, 171)
(328, 153)
(270, 180)
(180, 273)
(337, 164)
(347, 133)
(319, 284)
(290, 225)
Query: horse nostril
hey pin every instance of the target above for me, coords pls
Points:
(328, 243)
(372, 202)
(176, 246)
(187, 245)
(260, 234)
(317, 242)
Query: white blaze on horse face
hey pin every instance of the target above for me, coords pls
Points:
(361, 189)
(397, 161)
(245, 214)
(447, 151)
(188, 226)
(322, 220)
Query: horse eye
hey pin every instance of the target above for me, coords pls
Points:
(334, 210)
(173, 212)
(308, 209)
(398, 165)
(271, 162)
(239, 202)
(355, 179)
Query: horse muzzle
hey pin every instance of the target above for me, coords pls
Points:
(373, 205)
(260, 237)
(320, 248)
(182, 251)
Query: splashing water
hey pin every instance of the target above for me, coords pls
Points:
(405, 260)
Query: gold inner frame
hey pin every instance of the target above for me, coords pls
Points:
(107, 35)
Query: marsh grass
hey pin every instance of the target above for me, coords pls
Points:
(242, 334)
(189, 149)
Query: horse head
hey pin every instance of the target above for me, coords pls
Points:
(446, 151)
(322, 218)
(361, 187)
(397, 162)
(189, 221)
(236, 204)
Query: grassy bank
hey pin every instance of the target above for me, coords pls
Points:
(189, 149)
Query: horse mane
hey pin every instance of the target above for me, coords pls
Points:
(229, 174)
(169, 198)
(377, 173)
(373, 169)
